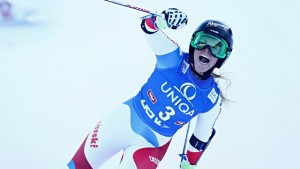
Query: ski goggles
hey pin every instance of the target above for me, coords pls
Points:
(218, 47)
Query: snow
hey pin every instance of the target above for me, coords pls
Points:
(59, 77)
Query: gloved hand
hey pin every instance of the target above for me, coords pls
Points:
(186, 165)
(171, 18)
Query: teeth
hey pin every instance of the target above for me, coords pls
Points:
(204, 59)
(205, 56)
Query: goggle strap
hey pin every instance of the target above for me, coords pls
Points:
(229, 50)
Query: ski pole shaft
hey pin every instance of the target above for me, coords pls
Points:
(131, 6)
(185, 141)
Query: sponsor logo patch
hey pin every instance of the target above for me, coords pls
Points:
(185, 67)
(151, 96)
(213, 95)
(179, 123)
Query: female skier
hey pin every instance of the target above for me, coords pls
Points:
(181, 87)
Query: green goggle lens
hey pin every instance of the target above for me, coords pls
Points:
(218, 47)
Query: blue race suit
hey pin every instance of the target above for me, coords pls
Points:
(143, 126)
(171, 96)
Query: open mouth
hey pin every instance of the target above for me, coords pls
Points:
(204, 59)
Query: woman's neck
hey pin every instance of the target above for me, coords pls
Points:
(202, 83)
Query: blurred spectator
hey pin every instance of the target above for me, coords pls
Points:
(5, 10)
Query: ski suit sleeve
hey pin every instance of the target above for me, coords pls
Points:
(166, 50)
(203, 133)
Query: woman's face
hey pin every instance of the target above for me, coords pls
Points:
(203, 60)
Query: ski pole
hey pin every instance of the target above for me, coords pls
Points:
(185, 141)
(132, 7)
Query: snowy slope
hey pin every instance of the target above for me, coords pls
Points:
(58, 78)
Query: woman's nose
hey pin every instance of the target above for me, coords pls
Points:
(206, 49)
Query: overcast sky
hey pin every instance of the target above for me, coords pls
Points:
(58, 78)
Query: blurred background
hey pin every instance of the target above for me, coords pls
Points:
(71, 62)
